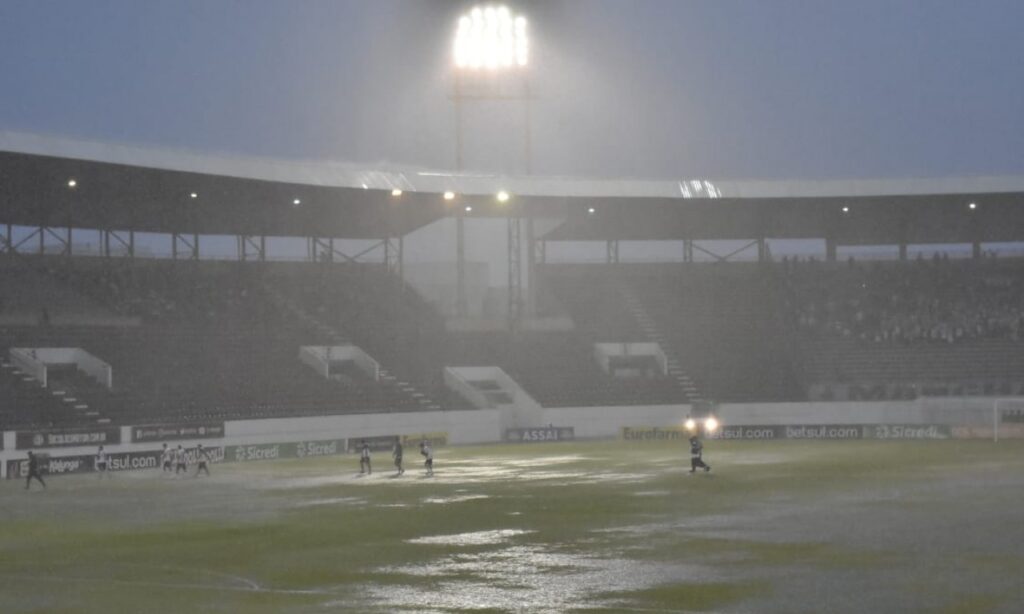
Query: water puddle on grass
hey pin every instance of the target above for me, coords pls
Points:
(454, 499)
(476, 538)
(331, 501)
(521, 578)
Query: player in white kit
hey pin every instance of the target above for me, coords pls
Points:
(428, 454)
(102, 461)
(180, 461)
(167, 459)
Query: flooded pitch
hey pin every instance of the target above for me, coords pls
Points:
(601, 527)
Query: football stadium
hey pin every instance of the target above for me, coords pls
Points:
(245, 372)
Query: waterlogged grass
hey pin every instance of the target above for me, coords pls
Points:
(587, 527)
(684, 597)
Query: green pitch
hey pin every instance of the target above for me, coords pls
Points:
(584, 527)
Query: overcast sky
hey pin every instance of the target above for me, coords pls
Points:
(781, 89)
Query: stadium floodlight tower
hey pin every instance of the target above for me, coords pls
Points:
(491, 53)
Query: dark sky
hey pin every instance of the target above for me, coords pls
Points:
(808, 89)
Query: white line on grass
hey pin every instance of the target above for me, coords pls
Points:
(251, 588)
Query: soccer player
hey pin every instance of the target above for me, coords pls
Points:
(202, 457)
(397, 454)
(101, 461)
(33, 471)
(180, 462)
(364, 459)
(167, 458)
(429, 455)
(696, 453)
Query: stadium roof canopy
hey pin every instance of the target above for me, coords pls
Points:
(149, 189)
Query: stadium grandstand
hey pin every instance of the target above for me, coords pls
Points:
(116, 310)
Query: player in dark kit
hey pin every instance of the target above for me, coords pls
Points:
(364, 459)
(397, 454)
(202, 458)
(696, 451)
(33, 471)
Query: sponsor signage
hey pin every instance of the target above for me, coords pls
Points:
(436, 440)
(547, 433)
(379, 443)
(150, 459)
(386, 443)
(166, 432)
(85, 463)
(907, 431)
(28, 440)
(274, 451)
(795, 432)
(654, 433)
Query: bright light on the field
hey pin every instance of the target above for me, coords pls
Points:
(699, 188)
(396, 192)
(710, 424)
(591, 210)
(690, 424)
(503, 196)
(491, 38)
(449, 195)
(469, 209)
(846, 209)
(72, 183)
(193, 195)
(973, 205)
(296, 202)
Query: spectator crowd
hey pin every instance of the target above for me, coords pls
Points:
(922, 301)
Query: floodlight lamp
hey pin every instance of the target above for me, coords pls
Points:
(690, 424)
(396, 192)
(449, 195)
(591, 210)
(296, 202)
(846, 209)
(710, 425)
(973, 206)
(503, 196)
(469, 209)
(491, 38)
(72, 183)
(193, 195)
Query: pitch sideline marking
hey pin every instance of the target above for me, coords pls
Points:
(251, 588)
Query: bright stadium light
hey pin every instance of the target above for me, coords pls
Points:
(469, 209)
(396, 192)
(846, 209)
(72, 183)
(491, 38)
(591, 210)
(449, 195)
(296, 202)
(710, 424)
(973, 205)
(503, 196)
(690, 424)
(193, 195)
